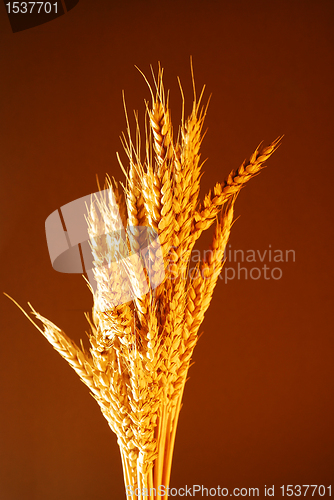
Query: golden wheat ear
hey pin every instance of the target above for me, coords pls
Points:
(78, 359)
(213, 202)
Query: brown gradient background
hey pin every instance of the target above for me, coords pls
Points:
(258, 408)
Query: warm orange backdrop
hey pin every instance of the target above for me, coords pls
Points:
(258, 408)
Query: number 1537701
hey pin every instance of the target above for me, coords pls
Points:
(305, 490)
(31, 7)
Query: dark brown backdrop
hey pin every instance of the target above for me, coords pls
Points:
(258, 408)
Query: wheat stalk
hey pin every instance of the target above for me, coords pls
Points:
(140, 351)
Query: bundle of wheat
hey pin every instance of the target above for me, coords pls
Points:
(141, 350)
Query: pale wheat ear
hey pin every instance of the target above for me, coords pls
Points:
(141, 346)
